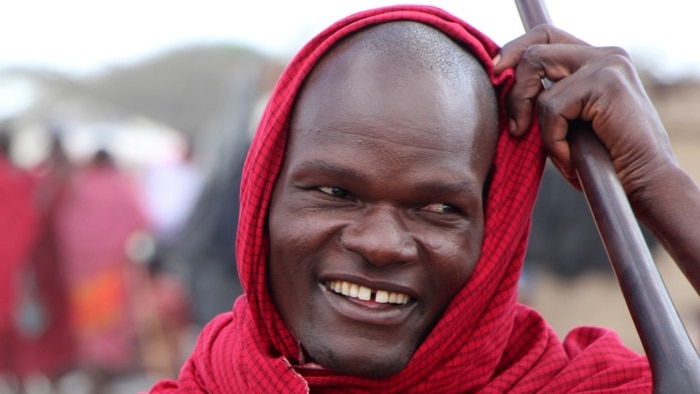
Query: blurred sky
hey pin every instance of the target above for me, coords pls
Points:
(87, 36)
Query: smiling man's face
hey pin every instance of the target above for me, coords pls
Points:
(376, 220)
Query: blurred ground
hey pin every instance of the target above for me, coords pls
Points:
(596, 300)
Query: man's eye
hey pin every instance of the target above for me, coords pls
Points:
(439, 207)
(334, 191)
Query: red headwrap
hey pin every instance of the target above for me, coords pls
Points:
(485, 341)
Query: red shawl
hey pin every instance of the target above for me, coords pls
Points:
(485, 342)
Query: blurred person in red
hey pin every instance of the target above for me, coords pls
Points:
(18, 226)
(49, 348)
(98, 215)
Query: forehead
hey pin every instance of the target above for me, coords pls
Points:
(431, 94)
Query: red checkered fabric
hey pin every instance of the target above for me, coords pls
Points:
(485, 342)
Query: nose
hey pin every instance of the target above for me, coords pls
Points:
(380, 237)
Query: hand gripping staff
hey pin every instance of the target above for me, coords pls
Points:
(675, 363)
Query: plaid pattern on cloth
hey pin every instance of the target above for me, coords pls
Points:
(485, 342)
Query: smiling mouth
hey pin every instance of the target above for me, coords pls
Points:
(363, 293)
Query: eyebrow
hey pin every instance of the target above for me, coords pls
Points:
(468, 187)
(448, 188)
(327, 167)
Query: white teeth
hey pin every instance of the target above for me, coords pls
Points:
(382, 296)
(365, 293)
(354, 289)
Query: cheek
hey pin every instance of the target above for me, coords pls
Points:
(293, 235)
(296, 240)
(288, 270)
(455, 257)
(296, 231)
(287, 243)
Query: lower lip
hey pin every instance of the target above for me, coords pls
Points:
(369, 312)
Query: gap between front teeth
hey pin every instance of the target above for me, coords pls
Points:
(365, 293)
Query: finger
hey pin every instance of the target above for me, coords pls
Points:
(594, 93)
(569, 99)
(553, 62)
(510, 54)
(571, 176)
(554, 127)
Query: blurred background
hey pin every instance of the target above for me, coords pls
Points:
(123, 129)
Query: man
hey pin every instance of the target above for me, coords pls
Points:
(385, 210)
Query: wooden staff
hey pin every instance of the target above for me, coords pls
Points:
(674, 361)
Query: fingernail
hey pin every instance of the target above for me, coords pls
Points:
(512, 125)
(496, 59)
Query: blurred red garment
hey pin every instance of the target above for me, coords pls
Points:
(18, 229)
(99, 211)
(48, 347)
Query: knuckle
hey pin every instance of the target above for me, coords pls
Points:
(547, 32)
(618, 51)
(545, 105)
(530, 57)
(617, 68)
(619, 59)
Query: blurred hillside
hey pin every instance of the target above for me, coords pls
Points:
(185, 89)
(188, 92)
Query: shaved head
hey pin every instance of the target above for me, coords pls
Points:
(397, 53)
(418, 48)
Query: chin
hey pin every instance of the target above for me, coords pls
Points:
(375, 365)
